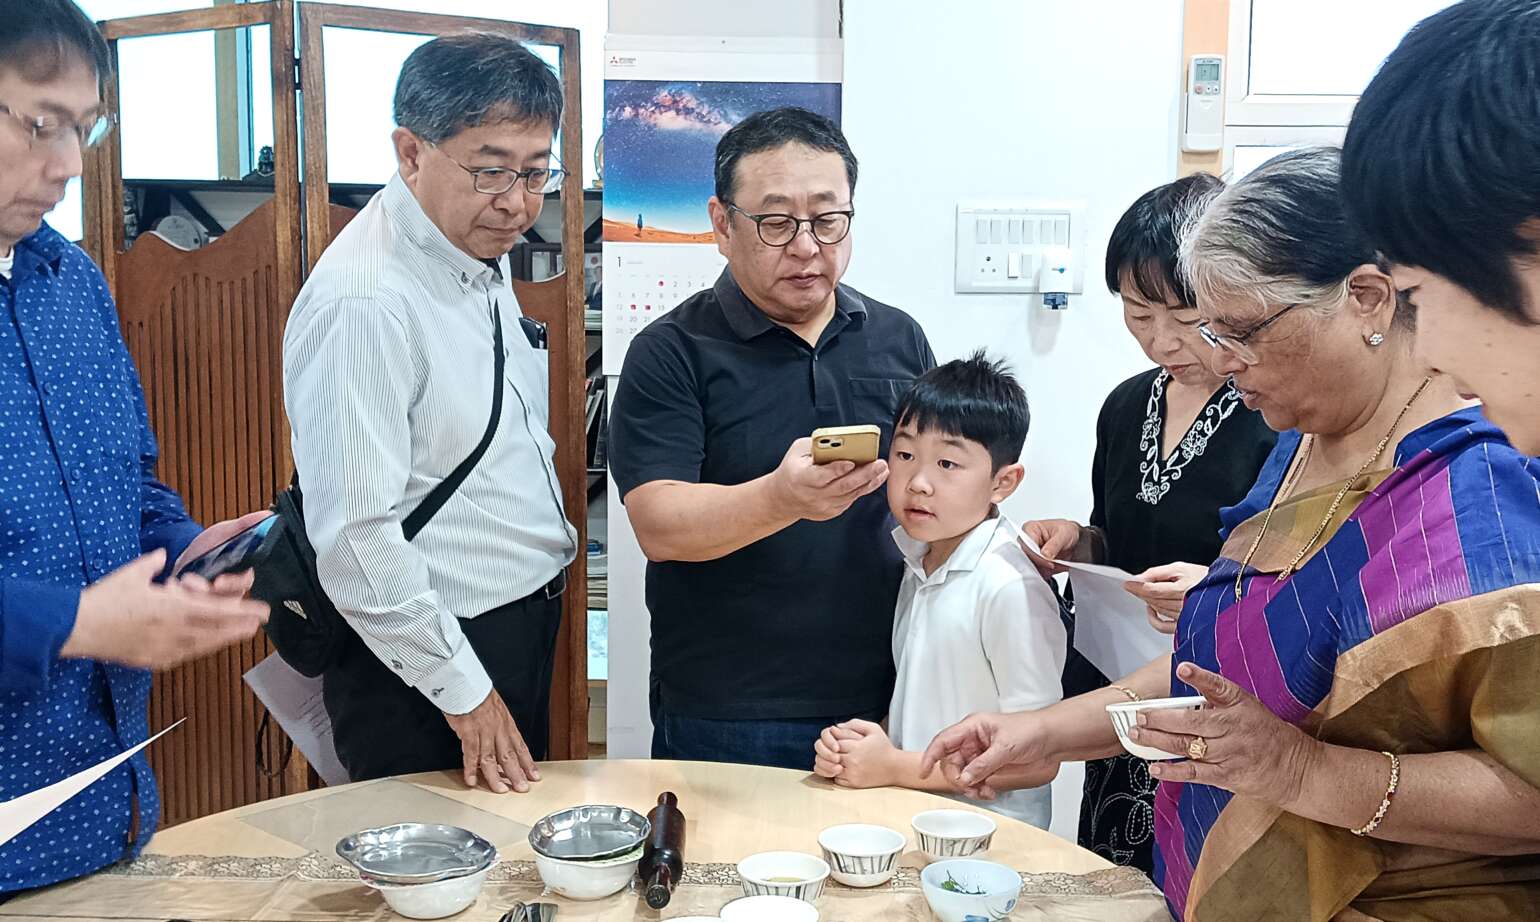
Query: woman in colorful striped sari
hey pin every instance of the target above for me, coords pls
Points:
(1369, 640)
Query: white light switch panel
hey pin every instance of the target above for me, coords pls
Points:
(1000, 243)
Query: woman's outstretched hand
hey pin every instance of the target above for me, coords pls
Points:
(972, 751)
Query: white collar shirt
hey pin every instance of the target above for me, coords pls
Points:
(388, 366)
(981, 633)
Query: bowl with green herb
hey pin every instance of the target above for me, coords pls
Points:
(970, 890)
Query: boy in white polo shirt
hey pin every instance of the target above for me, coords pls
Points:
(976, 628)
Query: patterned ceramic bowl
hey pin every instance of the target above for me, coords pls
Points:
(946, 834)
(1126, 713)
(790, 874)
(860, 855)
(970, 891)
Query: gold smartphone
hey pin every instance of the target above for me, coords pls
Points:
(846, 443)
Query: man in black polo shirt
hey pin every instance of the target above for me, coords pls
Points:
(772, 580)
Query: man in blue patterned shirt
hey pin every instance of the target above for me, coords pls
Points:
(85, 528)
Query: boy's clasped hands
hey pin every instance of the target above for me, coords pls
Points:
(856, 754)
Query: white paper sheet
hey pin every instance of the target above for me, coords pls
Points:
(1111, 627)
(20, 812)
(295, 702)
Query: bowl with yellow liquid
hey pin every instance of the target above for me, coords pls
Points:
(790, 874)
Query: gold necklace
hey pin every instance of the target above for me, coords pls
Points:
(1336, 503)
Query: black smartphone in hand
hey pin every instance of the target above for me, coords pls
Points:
(240, 553)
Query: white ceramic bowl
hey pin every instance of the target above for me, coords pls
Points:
(790, 874)
(964, 889)
(944, 834)
(1125, 714)
(860, 855)
(433, 900)
(588, 880)
(769, 909)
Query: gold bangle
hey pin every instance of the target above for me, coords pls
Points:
(1390, 791)
(1132, 695)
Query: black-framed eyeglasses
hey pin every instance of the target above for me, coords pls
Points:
(1236, 343)
(52, 131)
(779, 230)
(495, 180)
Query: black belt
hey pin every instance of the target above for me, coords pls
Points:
(550, 590)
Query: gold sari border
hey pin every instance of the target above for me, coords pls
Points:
(1294, 522)
(1241, 824)
(1446, 631)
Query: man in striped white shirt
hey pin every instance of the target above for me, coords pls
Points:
(388, 368)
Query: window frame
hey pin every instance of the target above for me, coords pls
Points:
(1276, 135)
(1248, 110)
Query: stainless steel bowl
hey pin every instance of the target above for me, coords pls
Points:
(589, 833)
(416, 853)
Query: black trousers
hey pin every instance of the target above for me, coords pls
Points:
(384, 727)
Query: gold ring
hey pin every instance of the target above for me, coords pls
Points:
(1197, 749)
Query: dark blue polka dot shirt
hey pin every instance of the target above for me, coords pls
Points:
(78, 499)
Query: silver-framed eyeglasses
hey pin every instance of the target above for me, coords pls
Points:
(1237, 344)
(779, 230)
(54, 131)
(495, 180)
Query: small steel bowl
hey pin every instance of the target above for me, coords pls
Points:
(589, 833)
(416, 853)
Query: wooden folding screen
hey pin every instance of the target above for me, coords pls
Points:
(557, 303)
(103, 180)
(205, 328)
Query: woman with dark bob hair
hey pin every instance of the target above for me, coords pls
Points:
(1442, 168)
(1174, 446)
(1368, 640)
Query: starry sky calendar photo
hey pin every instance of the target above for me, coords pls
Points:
(660, 140)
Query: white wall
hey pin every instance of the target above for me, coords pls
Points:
(1012, 99)
(726, 18)
(1049, 99)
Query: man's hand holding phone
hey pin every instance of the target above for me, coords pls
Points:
(231, 547)
(820, 492)
(130, 619)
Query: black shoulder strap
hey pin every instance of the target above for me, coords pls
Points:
(435, 500)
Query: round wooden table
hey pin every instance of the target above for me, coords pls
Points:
(732, 811)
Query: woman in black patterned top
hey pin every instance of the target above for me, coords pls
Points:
(1173, 446)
